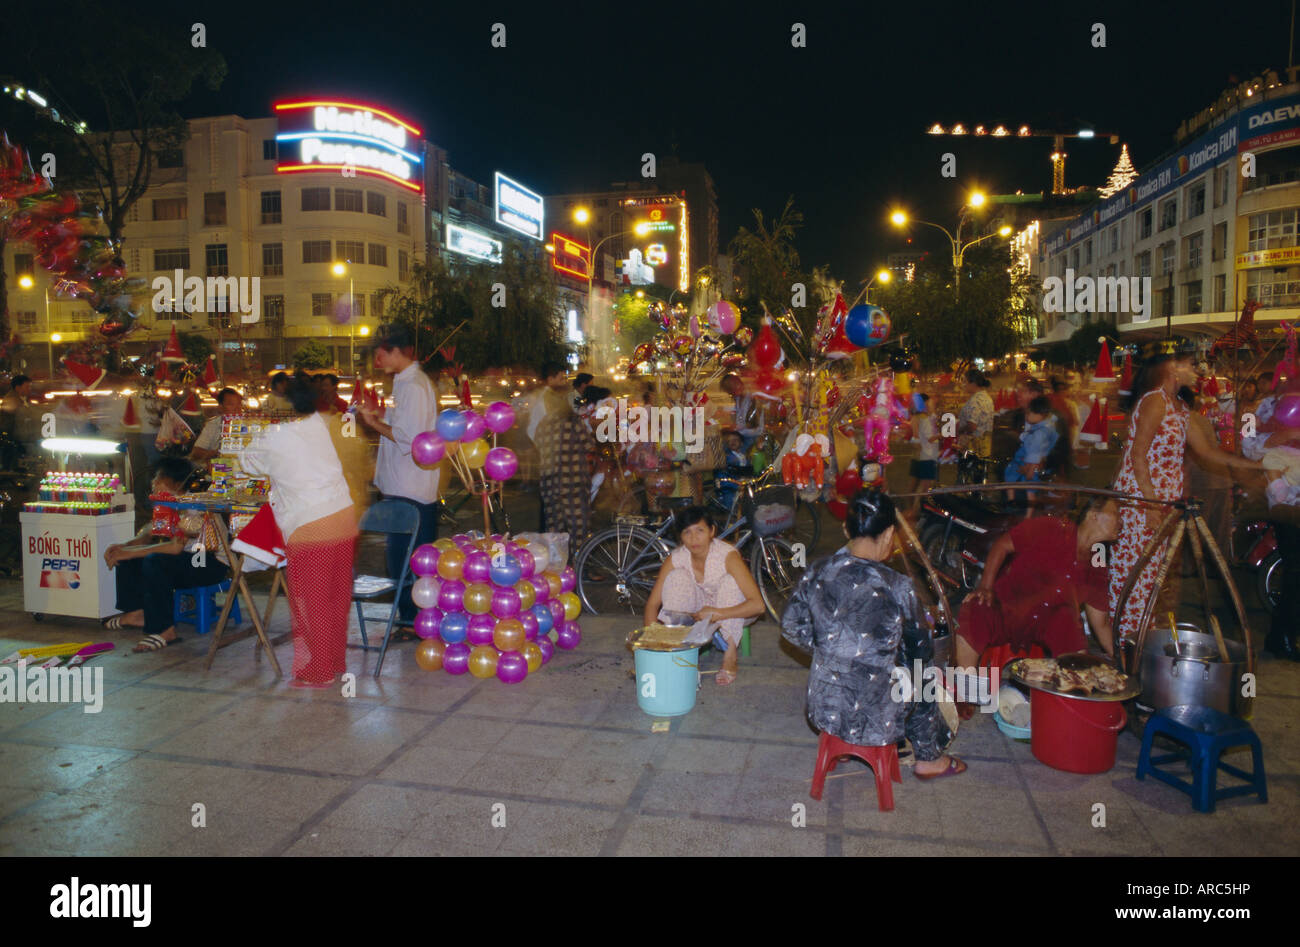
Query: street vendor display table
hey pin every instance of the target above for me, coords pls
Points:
(222, 507)
(64, 572)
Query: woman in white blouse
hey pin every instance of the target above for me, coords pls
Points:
(314, 511)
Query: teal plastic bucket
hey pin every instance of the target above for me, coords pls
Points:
(666, 681)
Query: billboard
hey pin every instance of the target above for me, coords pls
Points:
(471, 243)
(570, 256)
(350, 138)
(518, 208)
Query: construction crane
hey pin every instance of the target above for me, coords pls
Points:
(1024, 131)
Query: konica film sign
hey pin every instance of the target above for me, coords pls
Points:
(348, 138)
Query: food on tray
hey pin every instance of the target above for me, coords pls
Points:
(1038, 671)
(1047, 673)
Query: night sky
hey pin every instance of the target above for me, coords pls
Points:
(582, 90)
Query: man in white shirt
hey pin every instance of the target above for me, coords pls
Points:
(554, 378)
(398, 477)
(208, 445)
(277, 401)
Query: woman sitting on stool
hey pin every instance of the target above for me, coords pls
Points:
(706, 578)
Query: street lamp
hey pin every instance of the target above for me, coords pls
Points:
(339, 270)
(975, 199)
(582, 216)
(26, 282)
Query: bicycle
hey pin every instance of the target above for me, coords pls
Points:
(459, 510)
(618, 567)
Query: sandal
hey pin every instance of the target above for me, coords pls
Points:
(154, 643)
(116, 624)
(726, 677)
(955, 768)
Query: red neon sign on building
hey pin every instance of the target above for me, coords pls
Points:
(571, 256)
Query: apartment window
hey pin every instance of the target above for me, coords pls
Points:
(1220, 247)
(215, 254)
(1281, 166)
(354, 251)
(273, 311)
(359, 303)
(1220, 293)
(316, 251)
(1144, 224)
(1114, 239)
(25, 320)
(1087, 253)
(376, 204)
(1271, 230)
(315, 198)
(271, 207)
(1074, 258)
(273, 259)
(1168, 213)
(170, 208)
(1194, 296)
(377, 304)
(1275, 286)
(214, 209)
(1221, 185)
(321, 303)
(1166, 258)
(403, 265)
(171, 158)
(1192, 254)
(270, 149)
(24, 264)
(1195, 200)
(378, 254)
(403, 226)
(1123, 234)
(178, 259)
(348, 199)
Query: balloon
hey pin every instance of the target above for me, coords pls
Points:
(1287, 411)
(541, 556)
(478, 566)
(475, 453)
(454, 627)
(478, 598)
(544, 620)
(552, 583)
(532, 653)
(481, 628)
(455, 658)
(445, 544)
(744, 335)
(848, 483)
(474, 426)
(424, 561)
(427, 621)
(500, 463)
(527, 593)
(428, 448)
(452, 596)
(483, 661)
(509, 635)
(541, 587)
(505, 602)
(696, 331)
(451, 564)
(499, 417)
(527, 564)
(529, 621)
(506, 571)
(866, 325)
(683, 344)
(547, 647)
(424, 593)
(557, 612)
(572, 605)
(512, 668)
(766, 351)
(429, 655)
(451, 424)
(723, 317)
(569, 636)
(568, 579)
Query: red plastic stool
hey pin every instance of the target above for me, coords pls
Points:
(883, 761)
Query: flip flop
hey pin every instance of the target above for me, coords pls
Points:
(154, 643)
(955, 768)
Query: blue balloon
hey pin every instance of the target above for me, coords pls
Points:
(454, 627)
(505, 571)
(451, 424)
(545, 621)
(866, 326)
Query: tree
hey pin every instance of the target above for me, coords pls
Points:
(195, 347)
(767, 262)
(1120, 178)
(635, 324)
(313, 354)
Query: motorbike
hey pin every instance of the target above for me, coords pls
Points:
(1260, 554)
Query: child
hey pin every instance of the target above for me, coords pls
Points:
(737, 465)
(1036, 442)
(925, 469)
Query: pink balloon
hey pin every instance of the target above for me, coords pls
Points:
(505, 602)
(499, 417)
(568, 579)
(568, 637)
(1287, 412)
(427, 621)
(452, 596)
(428, 448)
(557, 611)
(474, 426)
(501, 463)
(723, 317)
(455, 660)
(529, 621)
(481, 628)
(543, 641)
(424, 561)
(527, 564)
(478, 566)
(543, 588)
(512, 667)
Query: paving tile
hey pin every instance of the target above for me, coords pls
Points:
(385, 808)
(53, 768)
(509, 773)
(706, 756)
(344, 842)
(684, 794)
(538, 829)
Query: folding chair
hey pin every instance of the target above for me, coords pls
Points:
(389, 517)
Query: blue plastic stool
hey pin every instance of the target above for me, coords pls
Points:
(205, 611)
(1207, 733)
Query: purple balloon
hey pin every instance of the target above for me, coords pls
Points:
(424, 561)
(1287, 412)
(512, 667)
(474, 426)
(568, 579)
(451, 424)
(499, 417)
(501, 463)
(557, 612)
(569, 636)
(427, 621)
(544, 620)
(455, 659)
(527, 564)
(481, 628)
(543, 642)
(478, 566)
(542, 586)
(452, 596)
(505, 602)
(428, 448)
(529, 621)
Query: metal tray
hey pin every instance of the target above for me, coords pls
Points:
(1078, 662)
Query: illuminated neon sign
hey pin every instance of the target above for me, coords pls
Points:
(472, 243)
(656, 254)
(518, 208)
(571, 256)
(348, 137)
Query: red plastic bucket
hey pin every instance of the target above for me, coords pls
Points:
(1077, 736)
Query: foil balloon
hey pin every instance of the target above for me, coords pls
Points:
(455, 659)
(512, 667)
(694, 326)
(866, 326)
(500, 463)
(723, 317)
(499, 417)
(682, 345)
(430, 654)
(744, 336)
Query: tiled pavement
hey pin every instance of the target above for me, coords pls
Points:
(420, 764)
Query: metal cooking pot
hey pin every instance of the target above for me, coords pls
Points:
(1196, 676)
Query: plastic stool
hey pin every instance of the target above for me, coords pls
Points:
(204, 613)
(883, 761)
(1207, 733)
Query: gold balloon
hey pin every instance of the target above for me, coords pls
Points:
(532, 653)
(572, 606)
(483, 661)
(451, 564)
(478, 598)
(429, 654)
(475, 453)
(444, 544)
(552, 580)
(527, 594)
(509, 634)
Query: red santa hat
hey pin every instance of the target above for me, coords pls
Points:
(172, 352)
(1104, 371)
(1126, 377)
(130, 419)
(1094, 429)
(210, 371)
(89, 375)
(161, 373)
(191, 405)
(261, 539)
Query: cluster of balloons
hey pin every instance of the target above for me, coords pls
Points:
(490, 606)
(695, 339)
(69, 239)
(846, 330)
(461, 432)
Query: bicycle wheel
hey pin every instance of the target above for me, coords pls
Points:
(617, 569)
(771, 562)
(807, 525)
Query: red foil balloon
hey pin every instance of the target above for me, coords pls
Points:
(766, 351)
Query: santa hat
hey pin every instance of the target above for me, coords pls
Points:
(1094, 429)
(173, 353)
(210, 371)
(357, 396)
(191, 405)
(130, 419)
(88, 375)
(1126, 377)
(261, 539)
(1104, 372)
(160, 372)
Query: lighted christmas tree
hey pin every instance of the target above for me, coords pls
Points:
(1123, 175)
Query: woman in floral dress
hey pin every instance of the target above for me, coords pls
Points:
(1158, 438)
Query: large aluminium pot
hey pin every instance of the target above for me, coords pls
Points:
(1196, 676)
